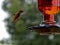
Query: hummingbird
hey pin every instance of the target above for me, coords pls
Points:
(16, 15)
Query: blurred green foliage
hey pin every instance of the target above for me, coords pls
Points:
(19, 31)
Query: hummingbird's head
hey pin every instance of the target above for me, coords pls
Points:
(20, 11)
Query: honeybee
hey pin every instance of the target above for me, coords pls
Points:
(16, 15)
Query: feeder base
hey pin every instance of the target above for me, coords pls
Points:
(45, 29)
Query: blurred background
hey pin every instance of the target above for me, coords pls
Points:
(17, 33)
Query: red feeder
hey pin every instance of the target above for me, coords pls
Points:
(48, 8)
